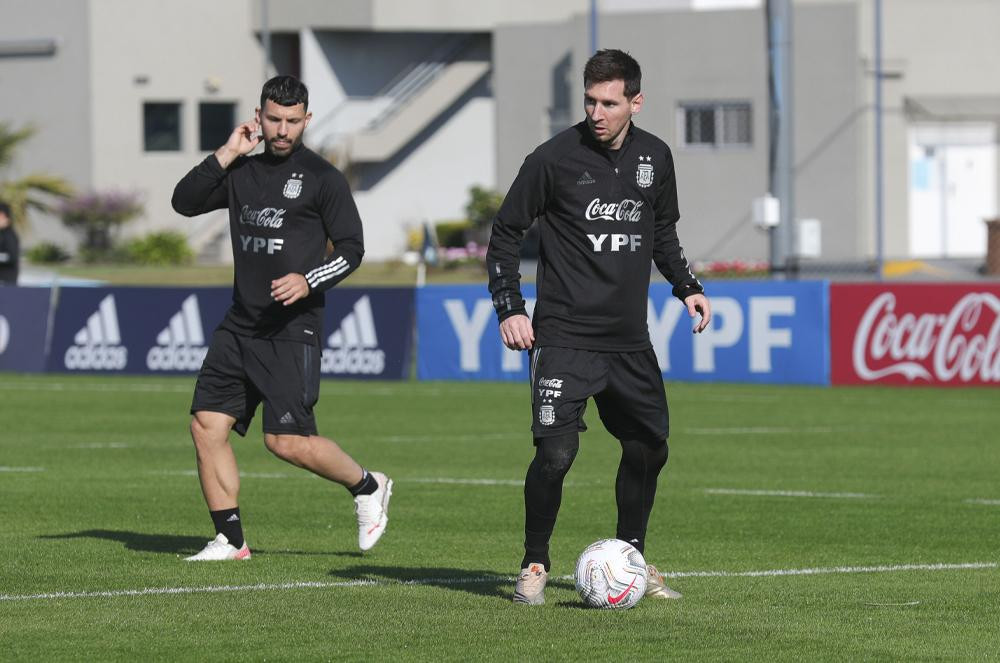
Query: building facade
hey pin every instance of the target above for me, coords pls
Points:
(419, 100)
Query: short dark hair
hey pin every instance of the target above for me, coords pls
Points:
(285, 91)
(5, 208)
(610, 64)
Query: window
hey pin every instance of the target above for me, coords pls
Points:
(216, 120)
(161, 126)
(716, 124)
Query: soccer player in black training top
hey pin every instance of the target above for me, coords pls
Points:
(605, 197)
(284, 204)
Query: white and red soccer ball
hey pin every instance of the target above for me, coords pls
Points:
(610, 574)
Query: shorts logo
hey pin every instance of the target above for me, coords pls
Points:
(353, 349)
(293, 187)
(546, 415)
(181, 345)
(97, 346)
(644, 173)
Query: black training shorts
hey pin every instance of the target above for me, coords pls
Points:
(627, 387)
(241, 371)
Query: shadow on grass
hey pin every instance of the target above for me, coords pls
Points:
(483, 583)
(174, 544)
(158, 543)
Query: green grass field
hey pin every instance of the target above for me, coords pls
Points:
(801, 524)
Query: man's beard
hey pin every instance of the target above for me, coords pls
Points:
(285, 150)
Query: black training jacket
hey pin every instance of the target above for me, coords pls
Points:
(603, 215)
(281, 213)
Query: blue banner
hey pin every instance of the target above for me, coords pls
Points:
(458, 337)
(135, 330)
(762, 331)
(24, 323)
(368, 333)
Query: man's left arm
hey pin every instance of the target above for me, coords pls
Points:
(669, 256)
(343, 227)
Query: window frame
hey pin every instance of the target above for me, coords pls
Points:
(718, 124)
(234, 108)
(179, 105)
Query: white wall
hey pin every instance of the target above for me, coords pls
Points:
(179, 48)
(432, 182)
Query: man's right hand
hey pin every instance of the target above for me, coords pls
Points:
(242, 141)
(516, 332)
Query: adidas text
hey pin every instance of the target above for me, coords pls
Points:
(353, 360)
(96, 357)
(97, 346)
(180, 346)
(353, 348)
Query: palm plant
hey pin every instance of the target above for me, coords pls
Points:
(32, 191)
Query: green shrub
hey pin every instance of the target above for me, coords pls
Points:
(46, 253)
(162, 248)
(453, 233)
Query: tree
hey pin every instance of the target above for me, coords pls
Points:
(32, 191)
(96, 216)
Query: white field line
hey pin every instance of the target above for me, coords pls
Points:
(246, 475)
(432, 480)
(4, 468)
(982, 501)
(467, 437)
(100, 445)
(325, 389)
(764, 430)
(97, 386)
(787, 493)
(471, 580)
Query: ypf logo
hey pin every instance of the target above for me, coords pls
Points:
(97, 346)
(353, 349)
(181, 345)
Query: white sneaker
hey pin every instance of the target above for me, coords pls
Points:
(373, 512)
(530, 586)
(218, 550)
(656, 585)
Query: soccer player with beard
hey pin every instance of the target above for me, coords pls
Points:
(284, 204)
(605, 197)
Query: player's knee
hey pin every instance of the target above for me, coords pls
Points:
(556, 455)
(286, 447)
(658, 454)
(205, 433)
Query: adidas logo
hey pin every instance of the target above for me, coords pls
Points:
(181, 346)
(585, 179)
(286, 419)
(353, 349)
(233, 518)
(97, 347)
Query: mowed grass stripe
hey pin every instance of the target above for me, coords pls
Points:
(472, 580)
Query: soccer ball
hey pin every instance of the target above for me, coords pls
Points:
(610, 574)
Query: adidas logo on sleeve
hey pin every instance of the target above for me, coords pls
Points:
(97, 346)
(353, 348)
(181, 345)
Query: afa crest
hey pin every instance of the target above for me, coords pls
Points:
(293, 187)
(644, 173)
(546, 415)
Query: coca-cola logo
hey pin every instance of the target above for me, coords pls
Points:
(930, 346)
(269, 217)
(626, 210)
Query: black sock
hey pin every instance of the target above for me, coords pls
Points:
(227, 522)
(635, 488)
(543, 494)
(366, 486)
